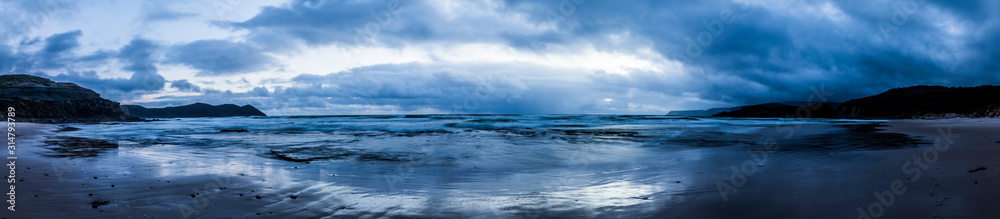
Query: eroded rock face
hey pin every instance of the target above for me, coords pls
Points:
(37, 99)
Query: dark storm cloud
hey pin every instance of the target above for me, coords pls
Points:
(735, 52)
(55, 54)
(413, 85)
(220, 57)
(754, 51)
(392, 23)
(139, 59)
(441, 87)
(184, 85)
(773, 53)
(314, 22)
(56, 46)
(8, 59)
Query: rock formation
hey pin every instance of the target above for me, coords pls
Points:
(37, 99)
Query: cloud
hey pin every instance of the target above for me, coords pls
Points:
(184, 85)
(220, 57)
(439, 57)
(8, 59)
(56, 46)
(138, 57)
(23, 16)
(164, 15)
(390, 23)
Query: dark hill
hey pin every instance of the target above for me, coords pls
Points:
(37, 99)
(193, 110)
(769, 110)
(926, 102)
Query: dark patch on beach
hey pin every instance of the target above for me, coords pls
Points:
(598, 132)
(654, 117)
(567, 117)
(308, 154)
(567, 126)
(76, 147)
(865, 136)
(424, 132)
(977, 169)
(68, 129)
(233, 130)
(388, 156)
(525, 132)
(98, 203)
(377, 116)
(492, 120)
(712, 139)
(446, 117)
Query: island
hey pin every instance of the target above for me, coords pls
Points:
(191, 111)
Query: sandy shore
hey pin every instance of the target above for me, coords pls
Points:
(960, 182)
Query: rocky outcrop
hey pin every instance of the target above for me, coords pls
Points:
(37, 99)
(192, 110)
(926, 102)
(781, 110)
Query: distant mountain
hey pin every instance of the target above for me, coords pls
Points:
(708, 112)
(192, 110)
(926, 102)
(917, 102)
(37, 99)
(769, 110)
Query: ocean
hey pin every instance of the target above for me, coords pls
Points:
(523, 166)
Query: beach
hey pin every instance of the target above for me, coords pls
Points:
(819, 169)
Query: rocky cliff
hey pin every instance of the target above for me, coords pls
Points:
(38, 99)
(192, 110)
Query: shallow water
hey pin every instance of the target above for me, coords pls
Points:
(524, 166)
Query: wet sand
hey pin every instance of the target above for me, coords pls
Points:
(804, 177)
(859, 184)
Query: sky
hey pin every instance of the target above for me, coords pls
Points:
(312, 57)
